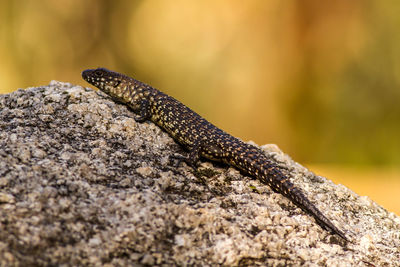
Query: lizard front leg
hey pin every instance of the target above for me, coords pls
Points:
(143, 111)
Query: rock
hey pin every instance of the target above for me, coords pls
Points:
(83, 184)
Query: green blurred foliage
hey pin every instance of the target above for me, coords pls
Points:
(319, 79)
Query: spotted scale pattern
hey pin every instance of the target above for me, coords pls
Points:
(199, 136)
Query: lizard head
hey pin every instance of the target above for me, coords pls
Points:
(104, 79)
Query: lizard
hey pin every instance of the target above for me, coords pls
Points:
(201, 138)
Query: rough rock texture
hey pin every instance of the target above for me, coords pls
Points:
(81, 183)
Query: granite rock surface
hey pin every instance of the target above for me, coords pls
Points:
(83, 184)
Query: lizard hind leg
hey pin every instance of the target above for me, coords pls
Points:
(181, 158)
(192, 159)
(211, 152)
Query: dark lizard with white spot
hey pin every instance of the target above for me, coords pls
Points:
(200, 137)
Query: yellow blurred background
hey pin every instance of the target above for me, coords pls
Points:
(320, 79)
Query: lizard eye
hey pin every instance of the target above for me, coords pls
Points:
(98, 73)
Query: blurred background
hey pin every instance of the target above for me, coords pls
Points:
(321, 80)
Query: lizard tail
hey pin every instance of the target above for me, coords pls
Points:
(283, 185)
(269, 173)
